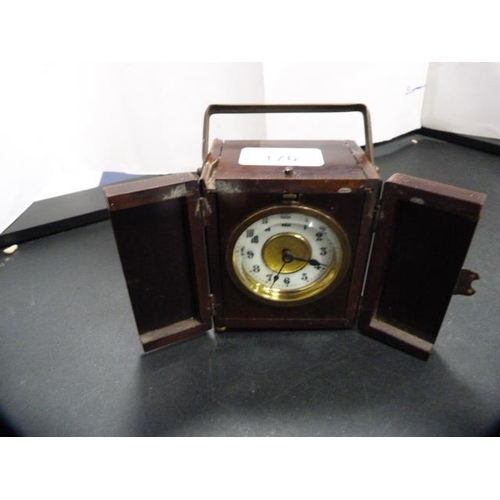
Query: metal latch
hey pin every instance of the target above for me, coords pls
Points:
(464, 282)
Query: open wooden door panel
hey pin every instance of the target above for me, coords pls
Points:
(160, 239)
(420, 244)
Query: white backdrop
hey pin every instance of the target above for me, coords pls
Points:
(463, 98)
(62, 125)
(393, 93)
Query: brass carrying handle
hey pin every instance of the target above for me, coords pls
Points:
(227, 109)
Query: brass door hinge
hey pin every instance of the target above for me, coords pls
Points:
(376, 216)
(213, 304)
(203, 210)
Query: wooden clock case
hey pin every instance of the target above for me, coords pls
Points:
(407, 245)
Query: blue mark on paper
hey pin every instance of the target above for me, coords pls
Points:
(411, 90)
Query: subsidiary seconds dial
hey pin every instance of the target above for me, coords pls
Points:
(288, 254)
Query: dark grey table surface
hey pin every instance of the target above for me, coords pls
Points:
(71, 362)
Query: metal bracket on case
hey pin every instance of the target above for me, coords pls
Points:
(289, 108)
(464, 282)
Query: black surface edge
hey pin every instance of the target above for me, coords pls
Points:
(54, 215)
(484, 144)
(57, 214)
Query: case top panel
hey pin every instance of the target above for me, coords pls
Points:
(309, 160)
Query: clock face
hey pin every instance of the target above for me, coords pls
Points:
(288, 255)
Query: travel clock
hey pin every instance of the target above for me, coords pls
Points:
(292, 235)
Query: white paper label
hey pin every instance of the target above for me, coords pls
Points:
(294, 157)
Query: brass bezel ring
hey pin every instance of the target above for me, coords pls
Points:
(309, 292)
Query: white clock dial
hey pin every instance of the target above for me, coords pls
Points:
(288, 254)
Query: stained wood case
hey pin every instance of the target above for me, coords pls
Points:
(172, 234)
(161, 243)
(422, 237)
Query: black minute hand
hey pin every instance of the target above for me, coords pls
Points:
(275, 278)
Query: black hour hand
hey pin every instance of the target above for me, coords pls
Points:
(313, 262)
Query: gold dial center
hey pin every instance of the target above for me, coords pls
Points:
(292, 243)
